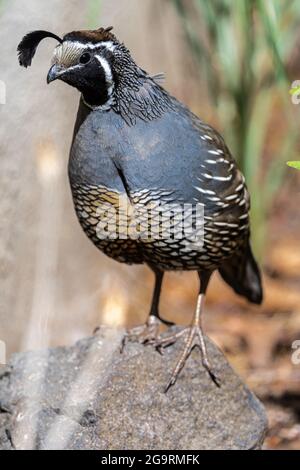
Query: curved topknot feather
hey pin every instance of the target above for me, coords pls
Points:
(28, 46)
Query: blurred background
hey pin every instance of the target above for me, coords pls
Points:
(233, 64)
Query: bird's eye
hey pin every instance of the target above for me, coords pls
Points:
(85, 58)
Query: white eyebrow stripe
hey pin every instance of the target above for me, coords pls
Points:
(89, 45)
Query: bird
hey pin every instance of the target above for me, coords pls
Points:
(151, 182)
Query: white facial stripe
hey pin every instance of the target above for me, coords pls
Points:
(72, 67)
(89, 45)
(108, 74)
(106, 67)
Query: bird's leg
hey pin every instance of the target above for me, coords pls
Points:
(194, 337)
(149, 332)
(154, 311)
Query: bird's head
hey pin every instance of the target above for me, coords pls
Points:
(91, 61)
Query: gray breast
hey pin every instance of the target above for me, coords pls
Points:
(172, 160)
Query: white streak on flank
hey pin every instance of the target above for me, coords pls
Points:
(214, 199)
(244, 216)
(225, 224)
(218, 178)
(232, 197)
(226, 248)
(204, 191)
(206, 137)
(241, 186)
(233, 225)
(221, 224)
(222, 204)
(214, 152)
(218, 160)
(211, 162)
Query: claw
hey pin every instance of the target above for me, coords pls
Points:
(123, 344)
(145, 334)
(214, 378)
(160, 350)
(169, 385)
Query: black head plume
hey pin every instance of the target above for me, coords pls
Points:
(28, 45)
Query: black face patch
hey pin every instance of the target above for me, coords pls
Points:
(89, 79)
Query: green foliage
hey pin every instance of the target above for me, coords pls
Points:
(242, 47)
(294, 165)
(295, 90)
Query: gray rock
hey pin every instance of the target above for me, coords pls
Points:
(89, 396)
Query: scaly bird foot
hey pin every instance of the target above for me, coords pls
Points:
(194, 338)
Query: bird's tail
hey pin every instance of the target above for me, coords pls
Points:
(242, 274)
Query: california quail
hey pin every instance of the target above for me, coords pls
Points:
(136, 146)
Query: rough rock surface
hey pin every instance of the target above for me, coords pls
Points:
(89, 396)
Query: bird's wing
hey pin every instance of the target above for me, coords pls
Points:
(218, 183)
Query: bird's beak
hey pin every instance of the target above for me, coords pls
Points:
(54, 73)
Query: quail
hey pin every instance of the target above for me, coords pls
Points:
(151, 182)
